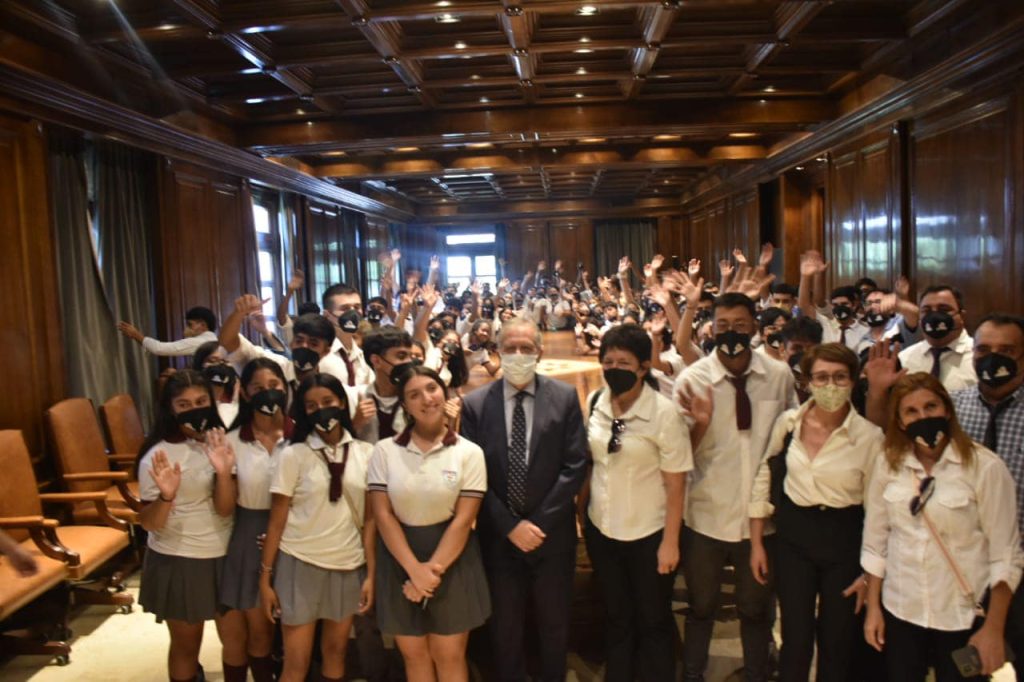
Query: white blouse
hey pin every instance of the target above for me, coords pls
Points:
(253, 466)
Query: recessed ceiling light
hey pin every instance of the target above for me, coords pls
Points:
(475, 77)
(300, 112)
(583, 50)
(799, 168)
(255, 100)
(822, 159)
(479, 145)
(443, 3)
(385, 90)
(578, 95)
(460, 45)
(309, 123)
(761, 101)
(447, 19)
(251, 71)
(769, 88)
(484, 100)
(581, 71)
(593, 140)
(337, 153)
(166, 27)
(587, 10)
(742, 134)
(668, 138)
(584, 39)
(554, 151)
(403, 150)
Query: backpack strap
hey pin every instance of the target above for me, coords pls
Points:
(593, 402)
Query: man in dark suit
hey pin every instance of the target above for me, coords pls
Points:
(531, 430)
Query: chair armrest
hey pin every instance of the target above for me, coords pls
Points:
(26, 522)
(121, 457)
(134, 503)
(72, 498)
(98, 476)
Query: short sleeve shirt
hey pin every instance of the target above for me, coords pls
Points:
(253, 466)
(423, 487)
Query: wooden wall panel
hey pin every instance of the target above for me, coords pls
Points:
(571, 241)
(32, 362)
(205, 249)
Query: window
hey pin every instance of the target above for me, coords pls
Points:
(268, 244)
(471, 255)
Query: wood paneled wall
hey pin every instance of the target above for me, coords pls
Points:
(716, 230)
(527, 242)
(30, 329)
(205, 250)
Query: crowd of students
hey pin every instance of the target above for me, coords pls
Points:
(857, 456)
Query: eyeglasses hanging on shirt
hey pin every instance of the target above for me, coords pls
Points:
(615, 442)
(924, 493)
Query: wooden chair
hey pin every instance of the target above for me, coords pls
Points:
(84, 464)
(67, 555)
(122, 425)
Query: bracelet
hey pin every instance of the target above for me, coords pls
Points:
(164, 499)
(266, 569)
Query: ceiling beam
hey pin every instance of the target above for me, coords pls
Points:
(472, 211)
(689, 117)
(790, 19)
(656, 22)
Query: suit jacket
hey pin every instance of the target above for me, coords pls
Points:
(557, 462)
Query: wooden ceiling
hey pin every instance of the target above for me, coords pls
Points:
(467, 101)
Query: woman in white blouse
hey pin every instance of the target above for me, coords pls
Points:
(257, 437)
(319, 546)
(935, 482)
(641, 453)
(811, 483)
(426, 485)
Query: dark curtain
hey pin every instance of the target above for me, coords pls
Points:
(329, 233)
(500, 247)
(95, 357)
(613, 239)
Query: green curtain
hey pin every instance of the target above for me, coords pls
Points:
(613, 239)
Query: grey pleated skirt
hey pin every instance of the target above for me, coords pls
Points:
(309, 593)
(461, 603)
(180, 588)
(240, 582)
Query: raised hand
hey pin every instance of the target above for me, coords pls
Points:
(902, 287)
(396, 255)
(751, 287)
(693, 267)
(881, 368)
(130, 330)
(295, 283)
(648, 271)
(696, 406)
(737, 254)
(541, 265)
(247, 304)
(624, 264)
(558, 265)
(166, 477)
(725, 268)
(435, 262)
(658, 324)
(452, 408)
(430, 296)
(811, 263)
(657, 262)
(662, 296)
(504, 283)
(219, 451)
(767, 254)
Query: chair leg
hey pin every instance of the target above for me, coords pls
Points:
(84, 595)
(36, 646)
(45, 628)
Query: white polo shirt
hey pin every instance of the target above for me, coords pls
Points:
(627, 493)
(320, 532)
(193, 529)
(956, 366)
(186, 346)
(423, 487)
(253, 465)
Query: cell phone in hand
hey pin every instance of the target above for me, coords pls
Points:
(675, 262)
(967, 661)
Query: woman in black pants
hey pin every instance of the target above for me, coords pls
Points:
(813, 478)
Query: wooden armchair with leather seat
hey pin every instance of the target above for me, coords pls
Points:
(122, 424)
(85, 465)
(67, 555)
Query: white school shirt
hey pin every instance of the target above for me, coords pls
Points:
(193, 529)
(253, 465)
(423, 487)
(227, 411)
(837, 477)
(956, 366)
(832, 330)
(627, 493)
(185, 346)
(370, 430)
(974, 509)
(667, 382)
(320, 532)
(332, 363)
(726, 460)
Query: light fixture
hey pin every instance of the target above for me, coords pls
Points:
(584, 39)
(799, 168)
(484, 100)
(337, 153)
(300, 112)
(821, 159)
(769, 88)
(405, 150)
(167, 27)
(587, 11)
(668, 138)
(460, 45)
(581, 71)
(479, 145)
(443, 3)
(740, 135)
(475, 77)
(447, 19)
(578, 95)
(762, 101)
(255, 100)
(583, 50)
(251, 71)
(309, 123)
(593, 140)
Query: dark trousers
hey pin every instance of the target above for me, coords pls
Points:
(911, 649)
(640, 628)
(544, 582)
(703, 560)
(1015, 631)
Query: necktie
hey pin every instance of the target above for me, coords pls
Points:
(936, 358)
(842, 335)
(337, 471)
(743, 410)
(517, 457)
(349, 367)
(385, 421)
(991, 440)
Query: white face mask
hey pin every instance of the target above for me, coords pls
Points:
(831, 397)
(519, 369)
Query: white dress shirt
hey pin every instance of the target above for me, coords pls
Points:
(253, 466)
(836, 477)
(974, 509)
(186, 346)
(370, 431)
(956, 366)
(727, 459)
(510, 392)
(627, 492)
(832, 330)
(667, 381)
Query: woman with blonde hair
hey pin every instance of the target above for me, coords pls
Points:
(940, 534)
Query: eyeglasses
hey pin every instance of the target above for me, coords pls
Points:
(924, 493)
(822, 378)
(615, 443)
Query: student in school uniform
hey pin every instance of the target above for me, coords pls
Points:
(186, 485)
(200, 328)
(317, 563)
(212, 362)
(378, 414)
(426, 486)
(478, 343)
(258, 436)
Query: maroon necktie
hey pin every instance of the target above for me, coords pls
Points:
(385, 422)
(349, 367)
(743, 411)
(842, 335)
(936, 359)
(337, 471)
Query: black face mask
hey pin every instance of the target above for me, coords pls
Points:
(929, 431)
(732, 343)
(305, 359)
(794, 363)
(435, 333)
(842, 312)
(373, 315)
(619, 380)
(200, 419)
(487, 311)
(221, 375)
(775, 340)
(399, 370)
(447, 324)
(876, 319)
(349, 321)
(326, 418)
(269, 402)
(708, 345)
(995, 369)
(937, 324)
(451, 348)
